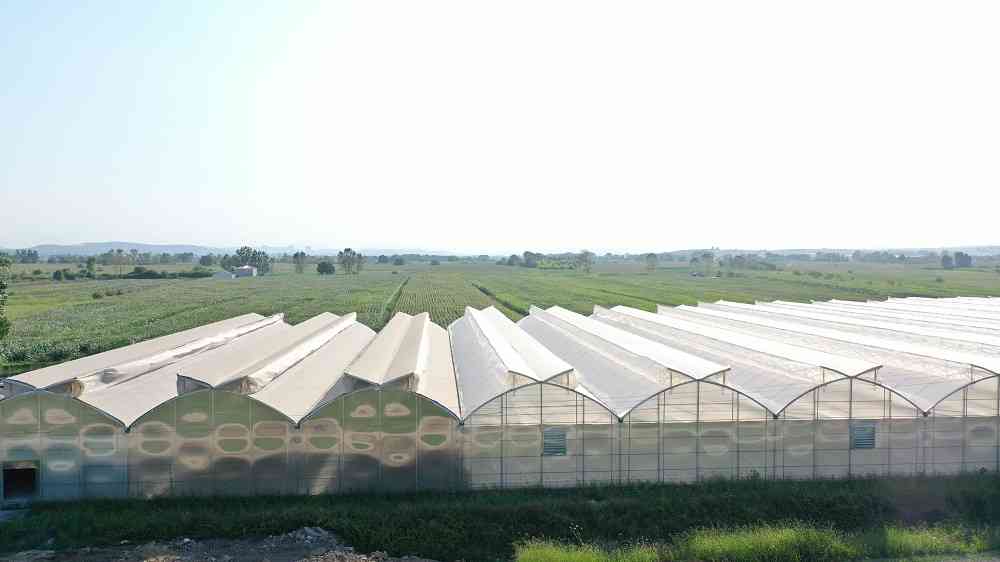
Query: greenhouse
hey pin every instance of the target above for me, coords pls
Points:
(254, 405)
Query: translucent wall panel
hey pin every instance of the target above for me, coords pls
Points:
(539, 434)
(75, 450)
(211, 442)
(379, 440)
(695, 431)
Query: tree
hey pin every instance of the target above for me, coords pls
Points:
(4, 271)
(325, 268)
(398, 260)
(254, 258)
(26, 256)
(435, 262)
(652, 260)
(947, 262)
(119, 257)
(91, 267)
(349, 260)
(963, 260)
(208, 260)
(531, 259)
(383, 259)
(299, 259)
(514, 259)
(585, 261)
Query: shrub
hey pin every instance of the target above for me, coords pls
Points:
(98, 295)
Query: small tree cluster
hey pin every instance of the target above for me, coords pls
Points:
(299, 259)
(585, 261)
(350, 261)
(247, 256)
(4, 270)
(325, 268)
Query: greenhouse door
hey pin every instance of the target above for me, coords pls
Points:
(20, 481)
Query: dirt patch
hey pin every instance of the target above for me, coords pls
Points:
(309, 544)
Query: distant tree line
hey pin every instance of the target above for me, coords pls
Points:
(4, 283)
(960, 259)
(582, 261)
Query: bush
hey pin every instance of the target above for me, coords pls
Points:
(97, 295)
(325, 268)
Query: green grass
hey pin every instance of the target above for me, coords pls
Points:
(56, 321)
(876, 518)
(780, 543)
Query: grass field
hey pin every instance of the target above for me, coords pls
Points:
(55, 321)
(741, 520)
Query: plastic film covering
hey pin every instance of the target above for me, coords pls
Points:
(773, 373)
(379, 439)
(614, 382)
(978, 307)
(70, 370)
(922, 380)
(413, 353)
(654, 360)
(488, 360)
(277, 365)
(942, 336)
(952, 349)
(111, 376)
(859, 310)
(400, 350)
(73, 450)
(237, 364)
(920, 305)
(539, 434)
(318, 378)
(133, 398)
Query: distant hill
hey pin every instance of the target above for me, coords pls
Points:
(96, 248)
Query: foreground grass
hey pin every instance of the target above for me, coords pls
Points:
(486, 525)
(790, 543)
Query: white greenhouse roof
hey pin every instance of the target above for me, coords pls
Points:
(923, 351)
(70, 370)
(492, 356)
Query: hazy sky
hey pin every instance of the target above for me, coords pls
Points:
(501, 126)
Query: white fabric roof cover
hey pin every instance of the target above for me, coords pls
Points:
(117, 374)
(70, 370)
(131, 399)
(922, 378)
(318, 378)
(771, 352)
(411, 346)
(619, 368)
(858, 310)
(240, 363)
(770, 372)
(492, 355)
(896, 328)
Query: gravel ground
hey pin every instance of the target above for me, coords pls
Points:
(309, 544)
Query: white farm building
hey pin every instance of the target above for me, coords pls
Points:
(253, 405)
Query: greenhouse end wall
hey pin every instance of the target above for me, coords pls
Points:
(214, 442)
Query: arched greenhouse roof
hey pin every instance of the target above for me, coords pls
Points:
(923, 351)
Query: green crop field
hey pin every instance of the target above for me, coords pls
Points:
(55, 321)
